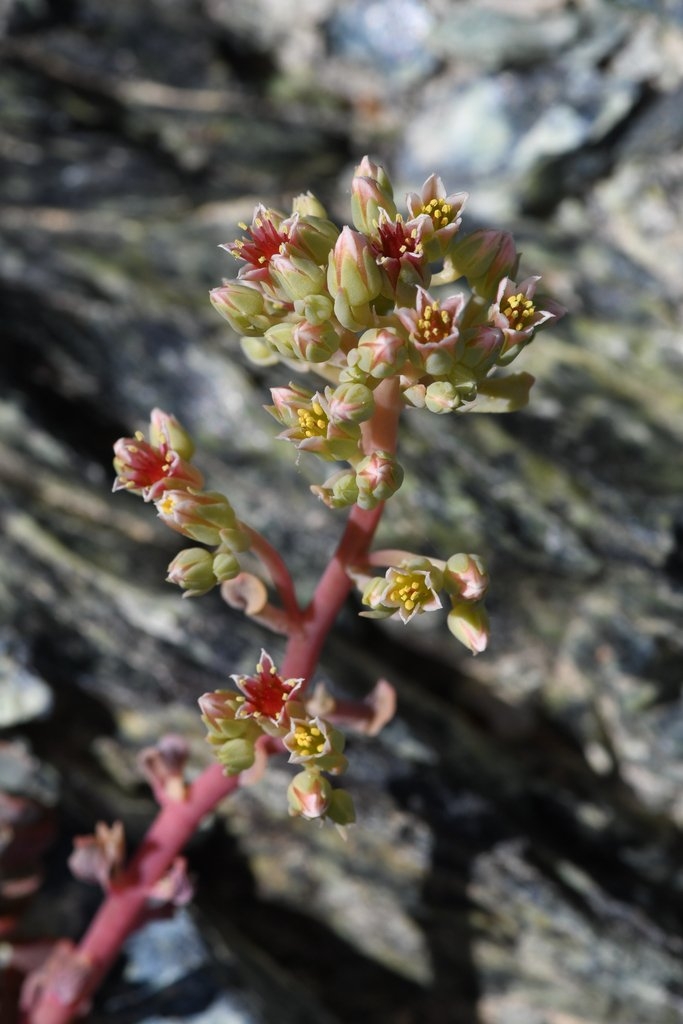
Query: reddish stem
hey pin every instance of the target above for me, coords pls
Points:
(124, 909)
(279, 573)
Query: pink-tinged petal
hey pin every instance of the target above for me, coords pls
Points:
(266, 693)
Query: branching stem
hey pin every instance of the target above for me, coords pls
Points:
(125, 908)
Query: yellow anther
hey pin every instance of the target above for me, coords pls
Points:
(518, 309)
(167, 505)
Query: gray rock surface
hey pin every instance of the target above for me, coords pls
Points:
(518, 856)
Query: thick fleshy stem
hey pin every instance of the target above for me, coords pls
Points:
(124, 909)
(279, 573)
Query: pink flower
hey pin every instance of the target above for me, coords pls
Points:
(432, 325)
(517, 314)
(444, 211)
(149, 471)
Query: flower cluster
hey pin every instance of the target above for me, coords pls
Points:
(411, 586)
(160, 471)
(354, 306)
(268, 705)
(367, 309)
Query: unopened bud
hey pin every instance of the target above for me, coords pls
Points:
(308, 795)
(481, 347)
(317, 309)
(243, 306)
(296, 275)
(484, 257)
(350, 403)
(339, 491)
(353, 269)
(469, 624)
(465, 577)
(192, 571)
(441, 397)
(367, 168)
(380, 353)
(367, 199)
(316, 236)
(225, 566)
(308, 205)
(167, 433)
(314, 343)
(378, 476)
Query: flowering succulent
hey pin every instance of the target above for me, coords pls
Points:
(399, 309)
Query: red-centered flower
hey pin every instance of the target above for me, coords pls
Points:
(398, 244)
(149, 471)
(267, 234)
(265, 694)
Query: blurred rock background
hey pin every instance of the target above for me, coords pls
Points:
(518, 857)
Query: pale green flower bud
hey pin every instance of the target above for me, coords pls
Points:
(441, 397)
(243, 306)
(297, 276)
(225, 566)
(303, 340)
(465, 577)
(469, 624)
(316, 237)
(165, 432)
(308, 795)
(200, 515)
(339, 491)
(308, 205)
(218, 714)
(233, 739)
(378, 476)
(380, 353)
(192, 571)
(281, 337)
(353, 269)
(484, 257)
(367, 199)
(367, 168)
(352, 318)
(350, 403)
(317, 309)
(314, 343)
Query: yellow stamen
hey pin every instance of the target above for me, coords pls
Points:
(518, 310)
(409, 591)
(313, 422)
